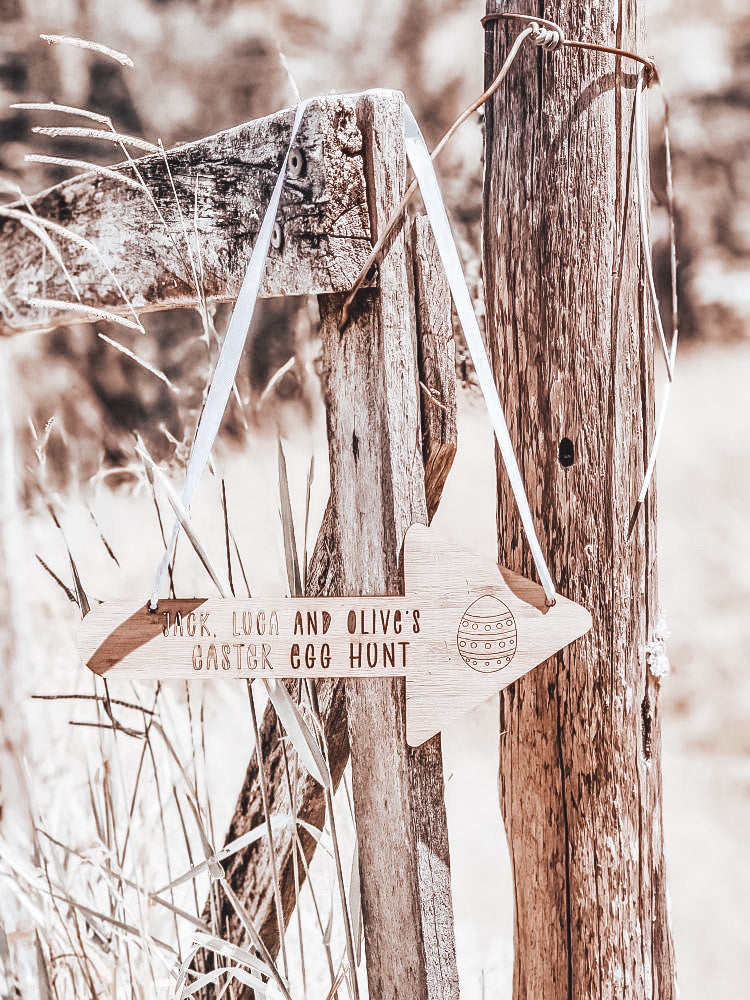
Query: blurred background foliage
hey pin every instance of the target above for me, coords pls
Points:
(199, 68)
(207, 65)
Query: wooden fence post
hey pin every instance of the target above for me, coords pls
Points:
(379, 446)
(249, 871)
(377, 492)
(569, 328)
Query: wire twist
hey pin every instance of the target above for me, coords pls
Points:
(550, 36)
(546, 37)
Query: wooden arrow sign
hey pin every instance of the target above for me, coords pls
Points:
(464, 630)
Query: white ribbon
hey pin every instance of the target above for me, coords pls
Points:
(229, 359)
(421, 164)
(242, 314)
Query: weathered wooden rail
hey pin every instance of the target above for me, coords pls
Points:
(178, 228)
(389, 384)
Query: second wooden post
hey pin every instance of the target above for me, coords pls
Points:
(570, 332)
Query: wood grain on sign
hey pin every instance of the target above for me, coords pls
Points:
(462, 631)
(160, 249)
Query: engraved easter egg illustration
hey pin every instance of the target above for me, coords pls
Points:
(487, 635)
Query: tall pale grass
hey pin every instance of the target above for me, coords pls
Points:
(114, 882)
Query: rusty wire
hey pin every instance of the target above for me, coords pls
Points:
(542, 32)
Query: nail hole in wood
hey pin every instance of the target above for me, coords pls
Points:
(647, 724)
(277, 236)
(296, 166)
(566, 453)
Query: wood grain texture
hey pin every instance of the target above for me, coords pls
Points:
(568, 324)
(162, 250)
(436, 355)
(377, 491)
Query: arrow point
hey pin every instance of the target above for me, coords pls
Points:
(476, 598)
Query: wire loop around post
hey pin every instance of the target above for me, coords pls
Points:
(555, 31)
(546, 37)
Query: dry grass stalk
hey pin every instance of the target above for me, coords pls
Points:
(99, 926)
(83, 43)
